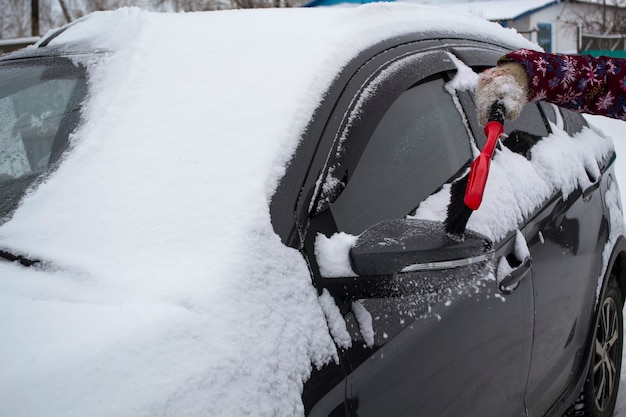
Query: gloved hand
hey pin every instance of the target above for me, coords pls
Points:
(507, 83)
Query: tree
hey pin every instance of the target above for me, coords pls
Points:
(23, 18)
(34, 17)
(603, 17)
(600, 24)
(66, 11)
(18, 17)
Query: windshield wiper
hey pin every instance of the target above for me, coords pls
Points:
(17, 258)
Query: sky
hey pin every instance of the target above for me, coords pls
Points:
(156, 288)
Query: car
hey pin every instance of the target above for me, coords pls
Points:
(242, 213)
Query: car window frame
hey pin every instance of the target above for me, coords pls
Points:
(352, 135)
(442, 133)
(309, 226)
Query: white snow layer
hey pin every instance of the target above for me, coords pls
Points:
(336, 323)
(166, 290)
(333, 255)
(517, 186)
(364, 318)
(521, 252)
(521, 247)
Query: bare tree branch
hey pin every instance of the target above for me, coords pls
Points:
(66, 11)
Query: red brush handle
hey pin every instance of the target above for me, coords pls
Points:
(479, 170)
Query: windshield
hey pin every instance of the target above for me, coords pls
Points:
(39, 108)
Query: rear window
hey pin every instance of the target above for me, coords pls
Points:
(39, 108)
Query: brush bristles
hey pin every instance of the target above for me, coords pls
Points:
(458, 212)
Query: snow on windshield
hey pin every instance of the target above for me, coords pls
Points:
(165, 289)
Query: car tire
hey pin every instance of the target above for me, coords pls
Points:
(600, 390)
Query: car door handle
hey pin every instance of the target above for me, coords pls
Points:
(510, 282)
(588, 192)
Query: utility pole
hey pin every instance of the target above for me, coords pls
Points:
(34, 17)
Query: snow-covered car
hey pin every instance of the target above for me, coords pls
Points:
(241, 213)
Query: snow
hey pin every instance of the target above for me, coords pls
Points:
(521, 247)
(332, 254)
(336, 323)
(164, 288)
(521, 252)
(364, 318)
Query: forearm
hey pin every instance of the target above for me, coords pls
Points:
(580, 83)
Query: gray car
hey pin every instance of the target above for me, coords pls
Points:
(521, 318)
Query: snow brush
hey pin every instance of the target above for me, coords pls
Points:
(466, 194)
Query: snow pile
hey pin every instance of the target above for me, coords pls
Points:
(332, 254)
(364, 318)
(517, 186)
(165, 289)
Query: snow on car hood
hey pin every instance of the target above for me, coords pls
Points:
(165, 289)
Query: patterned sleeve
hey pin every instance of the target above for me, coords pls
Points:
(578, 82)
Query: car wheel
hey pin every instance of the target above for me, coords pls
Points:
(600, 389)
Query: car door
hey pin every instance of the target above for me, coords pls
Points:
(442, 343)
(566, 240)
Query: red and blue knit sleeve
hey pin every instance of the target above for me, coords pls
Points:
(578, 82)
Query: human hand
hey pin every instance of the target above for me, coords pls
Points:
(506, 83)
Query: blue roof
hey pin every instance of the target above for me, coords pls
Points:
(488, 12)
(316, 3)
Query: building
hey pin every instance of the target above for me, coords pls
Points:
(556, 25)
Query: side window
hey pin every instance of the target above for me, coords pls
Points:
(562, 118)
(574, 122)
(549, 111)
(420, 144)
(525, 131)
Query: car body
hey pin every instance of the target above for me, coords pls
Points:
(201, 222)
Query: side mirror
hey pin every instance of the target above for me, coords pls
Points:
(396, 256)
(405, 245)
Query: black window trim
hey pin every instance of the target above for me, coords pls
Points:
(413, 75)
